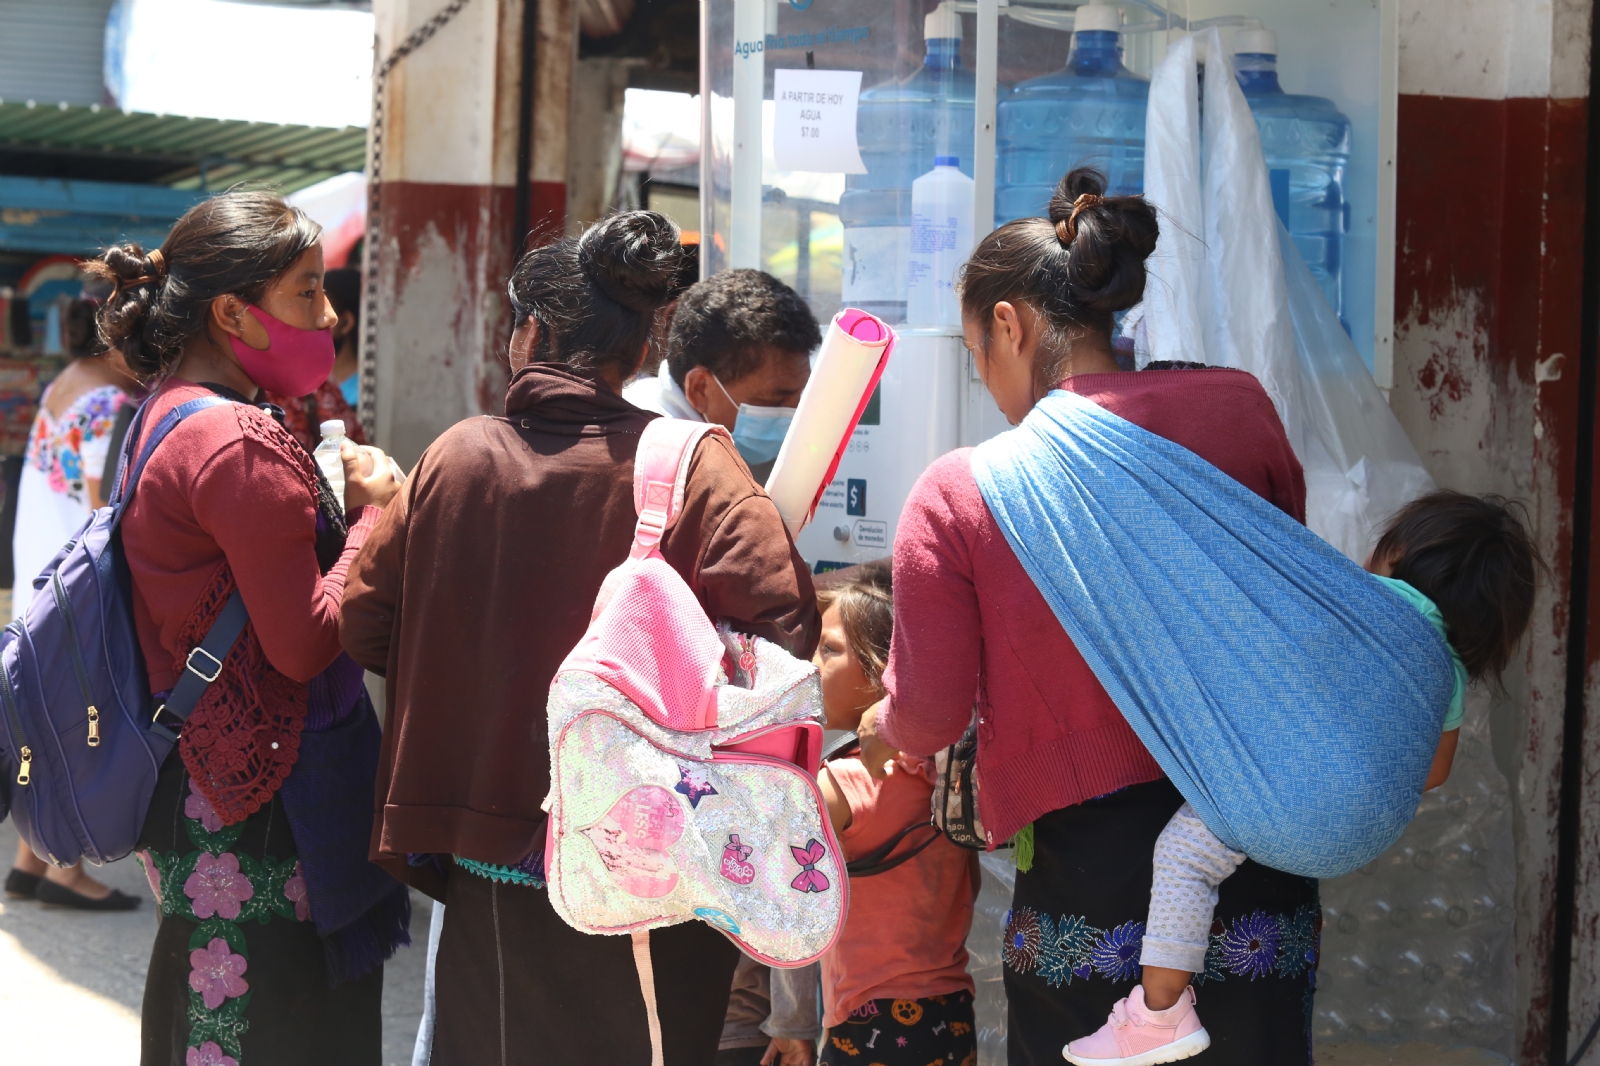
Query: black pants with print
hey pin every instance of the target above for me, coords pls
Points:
(905, 1032)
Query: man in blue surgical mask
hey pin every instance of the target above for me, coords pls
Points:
(739, 354)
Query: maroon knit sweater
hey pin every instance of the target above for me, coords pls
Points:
(971, 627)
(229, 501)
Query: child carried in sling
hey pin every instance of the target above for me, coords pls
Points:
(1241, 648)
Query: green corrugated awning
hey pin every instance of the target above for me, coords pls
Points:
(95, 143)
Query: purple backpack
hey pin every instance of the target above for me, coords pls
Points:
(81, 743)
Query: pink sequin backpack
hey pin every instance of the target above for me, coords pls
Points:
(683, 759)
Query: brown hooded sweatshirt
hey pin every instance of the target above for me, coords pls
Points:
(481, 576)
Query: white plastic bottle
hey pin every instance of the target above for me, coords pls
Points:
(327, 456)
(941, 239)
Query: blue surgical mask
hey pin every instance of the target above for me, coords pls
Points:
(758, 432)
(351, 390)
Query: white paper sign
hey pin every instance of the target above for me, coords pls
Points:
(814, 127)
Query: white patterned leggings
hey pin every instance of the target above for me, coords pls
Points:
(1190, 863)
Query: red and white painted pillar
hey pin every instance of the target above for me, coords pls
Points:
(1488, 280)
(448, 202)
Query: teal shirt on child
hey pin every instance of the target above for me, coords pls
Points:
(1430, 611)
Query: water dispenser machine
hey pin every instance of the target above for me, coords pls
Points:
(858, 148)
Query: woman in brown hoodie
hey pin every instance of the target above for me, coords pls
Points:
(476, 583)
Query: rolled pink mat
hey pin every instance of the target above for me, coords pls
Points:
(855, 350)
(860, 325)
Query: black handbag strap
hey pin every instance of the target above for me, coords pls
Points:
(841, 746)
(877, 861)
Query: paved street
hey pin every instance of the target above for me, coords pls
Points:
(65, 975)
(69, 979)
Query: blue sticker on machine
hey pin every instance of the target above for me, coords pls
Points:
(855, 496)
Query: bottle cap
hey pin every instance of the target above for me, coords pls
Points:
(1255, 42)
(1091, 17)
(947, 161)
(942, 22)
(333, 427)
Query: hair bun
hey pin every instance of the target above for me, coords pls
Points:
(634, 258)
(1084, 181)
(1107, 240)
(136, 280)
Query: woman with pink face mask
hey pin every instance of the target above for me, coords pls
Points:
(274, 927)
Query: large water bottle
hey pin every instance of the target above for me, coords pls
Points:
(1306, 141)
(900, 125)
(1089, 113)
(941, 240)
(327, 456)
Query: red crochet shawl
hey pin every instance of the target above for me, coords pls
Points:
(229, 501)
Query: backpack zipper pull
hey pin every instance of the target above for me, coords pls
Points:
(27, 765)
(94, 727)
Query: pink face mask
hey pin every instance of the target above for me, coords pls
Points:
(295, 362)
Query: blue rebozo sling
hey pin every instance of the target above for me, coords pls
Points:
(1294, 701)
(80, 749)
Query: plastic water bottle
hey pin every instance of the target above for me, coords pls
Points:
(327, 456)
(1089, 113)
(941, 240)
(900, 125)
(1306, 141)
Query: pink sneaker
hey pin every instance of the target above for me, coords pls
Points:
(1135, 1035)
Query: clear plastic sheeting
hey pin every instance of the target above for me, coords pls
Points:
(1228, 287)
(983, 950)
(1417, 945)
(1360, 465)
(1216, 289)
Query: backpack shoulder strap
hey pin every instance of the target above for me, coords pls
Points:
(204, 662)
(202, 666)
(660, 473)
(122, 491)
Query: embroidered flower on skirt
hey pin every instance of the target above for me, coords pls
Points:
(295, 890)
(1297, 947)
(1062, 950)
(217, 973)
(217, 886)
(1116, 953)
(223, 890)
(1250, 946)
(1065, 949)
(1021, 947)
(208, 1054)
(197, 806)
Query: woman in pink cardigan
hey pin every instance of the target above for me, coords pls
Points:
(1055, 757)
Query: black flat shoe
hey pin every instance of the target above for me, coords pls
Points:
(61, 896)
(21, 884)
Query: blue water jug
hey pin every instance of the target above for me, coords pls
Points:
(1089, 113)
(1306, 141)
(900, 127)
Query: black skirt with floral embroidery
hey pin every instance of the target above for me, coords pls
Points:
(1073, 938)
(237, 976)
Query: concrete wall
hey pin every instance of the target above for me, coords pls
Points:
(594, 151)
(1491, 172)
(447, 205)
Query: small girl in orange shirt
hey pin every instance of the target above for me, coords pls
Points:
(895, 988)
